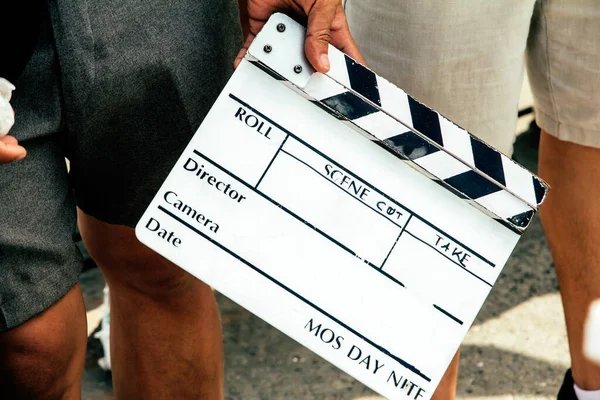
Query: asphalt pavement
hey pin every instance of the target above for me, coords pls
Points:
(516, 349)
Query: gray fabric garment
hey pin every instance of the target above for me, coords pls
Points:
(131, 82)
(38, 261)
(138, 78)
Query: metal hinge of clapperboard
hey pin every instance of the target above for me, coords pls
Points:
(385, 114)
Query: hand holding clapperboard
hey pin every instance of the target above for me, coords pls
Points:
(343, 212)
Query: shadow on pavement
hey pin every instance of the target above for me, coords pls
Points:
(489, 371)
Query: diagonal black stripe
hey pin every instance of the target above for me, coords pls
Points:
(472, 185)
(411, 145)
(328, 110)
(488, 160)
(540, 190)
(452, 190)
(363, 80)
(523, 219)
(425, 120)
(349, 105)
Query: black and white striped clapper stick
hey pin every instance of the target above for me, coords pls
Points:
(443, 151)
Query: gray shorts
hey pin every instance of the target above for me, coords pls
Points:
(466, 58)
(118, 87)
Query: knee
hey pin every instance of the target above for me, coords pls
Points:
(32, 372)
(132, 268)
(43, 358)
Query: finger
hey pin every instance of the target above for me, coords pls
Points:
(243, 7)
(348, 46)
(243, 51)
(9, 140)
(342, 39)
(318, 33)
(10, 151)
(258, 15)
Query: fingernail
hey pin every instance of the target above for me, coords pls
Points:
(21, 156)
(325, 62)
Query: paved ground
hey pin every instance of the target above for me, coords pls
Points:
(515, 350)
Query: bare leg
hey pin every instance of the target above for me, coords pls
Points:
(166, 340)
(571, 219)
(446, 390)
(44, 357)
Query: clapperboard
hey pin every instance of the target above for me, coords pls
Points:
(343, 212)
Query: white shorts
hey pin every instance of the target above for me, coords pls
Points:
(465, 58)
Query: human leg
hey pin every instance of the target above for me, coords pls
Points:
(43, 358)
(166, 340)
(571, 218)
(463, 58)
(446, 390)
(42, 316)
(138, 78)
(563, 56)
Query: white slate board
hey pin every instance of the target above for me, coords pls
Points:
(327, 235)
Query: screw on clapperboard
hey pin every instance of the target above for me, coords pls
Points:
(281, 28)
(267, 48)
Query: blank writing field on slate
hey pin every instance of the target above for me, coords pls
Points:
(348, 181)
(330, 206)
(343, 224)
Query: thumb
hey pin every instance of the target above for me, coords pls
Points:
(318, 33)
(10, 150)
